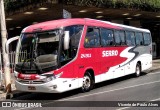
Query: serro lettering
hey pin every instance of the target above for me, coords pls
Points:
(109, 53)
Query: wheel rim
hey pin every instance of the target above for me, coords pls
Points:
(86, 82)
(138, 70)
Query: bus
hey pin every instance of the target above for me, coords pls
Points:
(67, 54)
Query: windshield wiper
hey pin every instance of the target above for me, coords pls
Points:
(23, 64)
(34, 55)
(31, 63)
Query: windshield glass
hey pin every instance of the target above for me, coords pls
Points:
(35, 45)
(38, 49)
(44, 51)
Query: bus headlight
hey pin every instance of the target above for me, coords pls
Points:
(16, 74)
(58, 75)
(49, 79)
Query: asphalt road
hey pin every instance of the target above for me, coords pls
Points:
(129, 89)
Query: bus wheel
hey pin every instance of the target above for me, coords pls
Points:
(87, 82)
(138, 70)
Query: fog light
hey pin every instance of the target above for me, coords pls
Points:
(54, 86)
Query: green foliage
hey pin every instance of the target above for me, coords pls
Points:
(11, 5)
(146, 5)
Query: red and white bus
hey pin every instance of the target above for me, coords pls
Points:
(66, 54)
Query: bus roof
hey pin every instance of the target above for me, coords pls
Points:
(49, 25)
(125, 27)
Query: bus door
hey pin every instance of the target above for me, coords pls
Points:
(90, 53)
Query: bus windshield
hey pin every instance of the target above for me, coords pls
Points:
(42, 52)
(38, 51)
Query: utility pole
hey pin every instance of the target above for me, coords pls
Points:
(6, 64)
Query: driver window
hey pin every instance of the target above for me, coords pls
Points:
(75, 33)
(92, 38)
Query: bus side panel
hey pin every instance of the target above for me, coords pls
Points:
(69, 76)
(145, 57)
(129, 64)
(137, 54)
(88, 59)
(111, 62)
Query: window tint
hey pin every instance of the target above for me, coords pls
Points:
(147, 38)
(75, 34)
(122, 36)
(107, 37)
(130, 38)
(92, 38)
(119, 37)
(139, 38)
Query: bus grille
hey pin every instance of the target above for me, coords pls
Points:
(31, 82)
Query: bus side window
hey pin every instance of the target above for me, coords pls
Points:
(147, 38)
(107, 37)
(75, 32)
(92, 38)
(120, 37)
(139, 38)
(117, 38)
(130, 38)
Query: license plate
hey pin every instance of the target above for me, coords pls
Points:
(31, 88)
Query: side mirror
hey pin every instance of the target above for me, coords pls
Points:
(66, 40)
(9, 41)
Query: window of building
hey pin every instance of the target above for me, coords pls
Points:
(107, 37)
(92, 38)
(139, 38)
(130, 38)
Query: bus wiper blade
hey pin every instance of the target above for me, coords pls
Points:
(23, 64)
(37, 67)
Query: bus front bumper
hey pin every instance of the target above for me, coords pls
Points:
(48, 87)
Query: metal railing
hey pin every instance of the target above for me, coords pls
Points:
(12, 55)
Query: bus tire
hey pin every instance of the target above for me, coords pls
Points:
(88, 82)
(138, 70)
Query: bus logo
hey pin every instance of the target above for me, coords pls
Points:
(109, 53)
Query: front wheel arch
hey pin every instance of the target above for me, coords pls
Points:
(88, 81)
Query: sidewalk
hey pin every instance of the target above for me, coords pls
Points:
(155, 67)
(2, 94)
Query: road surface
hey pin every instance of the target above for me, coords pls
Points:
(145, 88)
